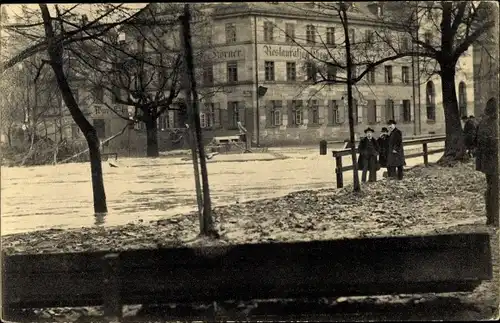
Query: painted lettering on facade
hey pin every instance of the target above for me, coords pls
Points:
(293, 52)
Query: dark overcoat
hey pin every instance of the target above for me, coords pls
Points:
(469, 133)
(486, 145)
(364, 154)
(383, 144)
(397, 158)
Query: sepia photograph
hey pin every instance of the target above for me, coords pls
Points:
(333, 161)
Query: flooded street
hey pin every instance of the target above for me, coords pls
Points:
(45, 197)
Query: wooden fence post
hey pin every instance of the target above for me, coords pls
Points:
(426, 156)
(339, 171)
(111, 286)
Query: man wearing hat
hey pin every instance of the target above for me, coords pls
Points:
(395, 152)
(383, 142)
(368, 151)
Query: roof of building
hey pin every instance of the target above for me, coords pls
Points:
(360, 10)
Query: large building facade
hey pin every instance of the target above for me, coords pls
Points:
(256, 70)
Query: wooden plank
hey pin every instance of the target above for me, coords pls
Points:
(362, 266)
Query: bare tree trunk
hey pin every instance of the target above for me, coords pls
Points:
(55, 51)
(207, 205)
(349, 64)
(454, 144)
(151, 137)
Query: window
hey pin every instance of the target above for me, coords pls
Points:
(163, 122)
(389, 110)
(268, 31)
(99, 94)
(334, 113)
(428, 38)
(230, 33)
(116, 94)
(369, 37)
(331, 73)
(274, 114)
(207, 116)
(232, 72)
(354, 72)
(330, 36)
(208, 75)
(314, 112)
(406, 111)
(430, 98)
(296, 112)
(462, 99)
(371, 75)
(310, 34)
(290, 33)
(371, 108)
(405, 74)
(352, 38)
(291, 71)
(405, 44)
(269, 71)
(100, 127)
(75, 131)
(311, 71)
(235, 114)
(355, 111)
(388, 74)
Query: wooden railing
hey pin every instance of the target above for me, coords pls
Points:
(372, 266)
(340, 169)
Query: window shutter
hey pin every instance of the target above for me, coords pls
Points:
(269, 113)
(378, 111)
(321, 112)
(289, 105)
(360, 112)
(344, 112)
(387, 113)
(309, 114)
(400, 111)
(225, 117)
(242, 113)
(217, 115)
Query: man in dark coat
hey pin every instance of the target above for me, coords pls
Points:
(469, 134)
(486, 143)
(368, 150)
(395, 152)
(383, 144)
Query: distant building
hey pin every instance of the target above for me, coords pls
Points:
(250, 47)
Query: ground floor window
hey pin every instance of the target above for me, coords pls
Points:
(431, 113)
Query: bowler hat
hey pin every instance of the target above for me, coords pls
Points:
(391, 122)
(369, 130)
(384, 129)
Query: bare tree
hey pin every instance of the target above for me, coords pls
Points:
(449, 28)
(51, 33)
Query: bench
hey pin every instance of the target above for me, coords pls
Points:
(364, 266)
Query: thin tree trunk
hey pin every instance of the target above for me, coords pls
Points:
(152, 138)
(207, 205)
(454, 144)
(349, 66)
(55, 51)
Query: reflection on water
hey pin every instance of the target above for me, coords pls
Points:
(45, 197)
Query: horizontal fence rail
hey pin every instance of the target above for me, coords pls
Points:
(338, 154)
(348, 267)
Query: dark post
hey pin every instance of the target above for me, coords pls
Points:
(323, 147)
(426, 155)
(111, 286)
(339, 171)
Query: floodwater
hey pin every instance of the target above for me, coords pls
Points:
(49, 197)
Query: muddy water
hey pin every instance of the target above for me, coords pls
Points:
(44, 197)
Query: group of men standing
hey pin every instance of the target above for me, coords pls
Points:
(385, 151)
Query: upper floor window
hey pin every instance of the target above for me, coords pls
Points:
(230, 33)
(289, 33)
(310, 34)
(269, 71)
(291, 71)
(369, 37)
(330, 36)
(405, 74)
(311, 71)
(208, 75)
(388, 74)
(268, 31)
(232, 72)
